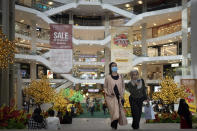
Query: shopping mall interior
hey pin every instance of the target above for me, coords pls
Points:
(160, 42)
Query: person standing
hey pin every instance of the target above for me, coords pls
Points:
(137, 90)
(114, 93)
(185, 115)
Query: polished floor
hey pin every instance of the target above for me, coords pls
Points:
(103, 124)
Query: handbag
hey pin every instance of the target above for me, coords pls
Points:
(122, 101)
(149, 113)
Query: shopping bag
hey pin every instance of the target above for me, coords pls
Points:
(149, 113)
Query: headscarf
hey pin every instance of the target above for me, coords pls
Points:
(110, 71)
(36, 115)
(183, 110)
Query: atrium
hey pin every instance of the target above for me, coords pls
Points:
(154, 37)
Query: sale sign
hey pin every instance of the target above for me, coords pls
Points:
(60, 36)
(61, 48)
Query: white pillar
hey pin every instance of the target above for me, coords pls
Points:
(107, 59)
(144, 37)
(33, 70)
(33, 36)
(144, 49)
(106, 23)
(71, 18)
(193, 38)
(184, 38)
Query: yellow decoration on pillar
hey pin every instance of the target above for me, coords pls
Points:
(7, 51)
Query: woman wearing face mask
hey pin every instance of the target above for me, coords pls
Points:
(137, 90)
(114, 95)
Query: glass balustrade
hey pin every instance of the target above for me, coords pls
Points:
(41, 5)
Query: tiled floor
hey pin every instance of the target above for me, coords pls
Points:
(103, 124)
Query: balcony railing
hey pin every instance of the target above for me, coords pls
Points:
(39, 4)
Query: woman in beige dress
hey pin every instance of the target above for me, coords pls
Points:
(114, 95)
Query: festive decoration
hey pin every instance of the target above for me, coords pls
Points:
(68, 93)
(165, 118)
(169, 92)
(10, 118)
(79, 109)
(127, 106)
(7, 51)
(126, 98)
(60, 103)
(77, 97)
(69, 107)
(121, 40)
(72, 95)
(40, 91)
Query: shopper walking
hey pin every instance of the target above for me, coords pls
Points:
(137, 90)
(185, 115)
(114, 92)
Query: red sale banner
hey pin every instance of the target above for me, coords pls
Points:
(61, 36)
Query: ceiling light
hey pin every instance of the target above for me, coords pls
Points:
(169, 40)
(154, 24)
(140, 2)
(50, 2)
(140, 27)
(128, 9)
(169, 19)
(22, 21)
(127, 5)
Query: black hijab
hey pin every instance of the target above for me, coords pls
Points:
(36, 115)
(183, 110)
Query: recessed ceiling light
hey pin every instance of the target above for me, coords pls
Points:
(22, 21)
(154, 24)
(50, 2)
(140, 2)
(140, 27)
(169, 19)
(127, 5)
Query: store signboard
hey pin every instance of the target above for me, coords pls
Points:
(191, 89)
(61, 60)
(121, 48)
(60, 36)
(61, 48)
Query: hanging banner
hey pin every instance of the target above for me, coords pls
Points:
(60, 36)
(61, 60)
(61, 48)
(191, 89)
(121, 48)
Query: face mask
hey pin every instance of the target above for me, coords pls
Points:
(114, 69)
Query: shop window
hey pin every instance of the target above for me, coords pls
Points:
(25, 70)
(169, 50)
(41, 70)
(155, 72)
